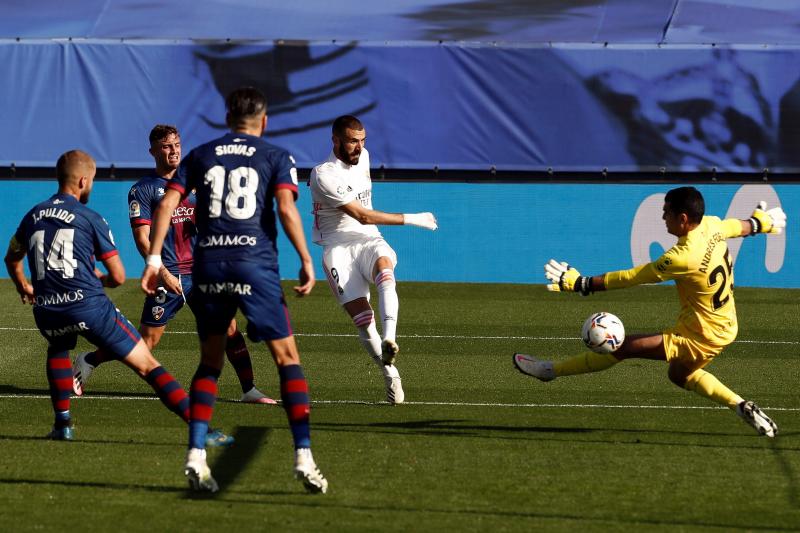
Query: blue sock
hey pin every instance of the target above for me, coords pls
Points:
(294, 394)
(202, 396)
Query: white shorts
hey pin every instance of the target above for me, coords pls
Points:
(348, 267)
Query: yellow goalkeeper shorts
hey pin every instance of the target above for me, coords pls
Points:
(691, 353)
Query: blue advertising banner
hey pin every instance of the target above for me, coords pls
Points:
(504, 233)
(452, 106)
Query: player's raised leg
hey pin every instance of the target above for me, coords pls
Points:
(388, 306)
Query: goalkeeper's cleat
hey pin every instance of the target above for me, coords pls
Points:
(394, 385)
(754, 416)
(389, 351)
(61, 433)
(215, 438)
(81, 370)
(306, 471)
(541, 370)
(256, 396)
(197, 472)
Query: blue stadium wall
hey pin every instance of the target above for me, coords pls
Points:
(506, 232)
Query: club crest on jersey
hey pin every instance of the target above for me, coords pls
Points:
(158, 312)
(134, 209)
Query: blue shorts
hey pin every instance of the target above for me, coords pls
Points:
(220, 288)
(96, 319)
(164, 305)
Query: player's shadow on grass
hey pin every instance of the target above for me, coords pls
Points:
(90, 484)
(455, 428)
(228, 465)
(440, 428)
(11, 389)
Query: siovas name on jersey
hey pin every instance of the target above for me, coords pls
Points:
(234, 149)
(226, 287)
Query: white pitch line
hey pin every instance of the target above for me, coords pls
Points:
(450, 337)
(432, 404)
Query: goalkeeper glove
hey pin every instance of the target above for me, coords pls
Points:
(566, 278)
(771, 221)
(423, 220)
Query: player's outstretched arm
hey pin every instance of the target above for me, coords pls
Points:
(371, 216)
(13, 259)
(563, 277)
(293, 226)
(766, 221)
(158, 232)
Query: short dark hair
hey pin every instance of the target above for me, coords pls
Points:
(162, 131)
(687, 200)
(245, 103)
(346, 122)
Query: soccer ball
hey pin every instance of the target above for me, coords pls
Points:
(603, 332)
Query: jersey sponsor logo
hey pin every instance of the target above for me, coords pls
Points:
(293, 174)
(365, 197)
(234, 149)
(72, 328)
(57, 201)
(134, 209)
(227, 240)
(53, 212)
(160, 191)
(182, 213)
(157, 311)
(226, 287)
(664, 264)
(58, 299)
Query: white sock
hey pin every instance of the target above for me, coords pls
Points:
(368, 335)
(388, 303)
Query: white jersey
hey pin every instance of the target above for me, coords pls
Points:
(333, 184)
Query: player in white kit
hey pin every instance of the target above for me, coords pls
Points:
(354, 252)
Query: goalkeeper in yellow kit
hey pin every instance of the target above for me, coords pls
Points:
(701, 267)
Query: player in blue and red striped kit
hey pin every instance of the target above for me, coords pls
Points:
(237, 178)
(176, 282)
(62, 239)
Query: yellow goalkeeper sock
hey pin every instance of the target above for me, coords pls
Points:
(705, 384)
(584, 363)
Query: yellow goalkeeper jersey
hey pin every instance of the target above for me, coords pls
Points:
(701, 267)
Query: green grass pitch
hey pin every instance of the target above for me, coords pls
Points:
(478, 446)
